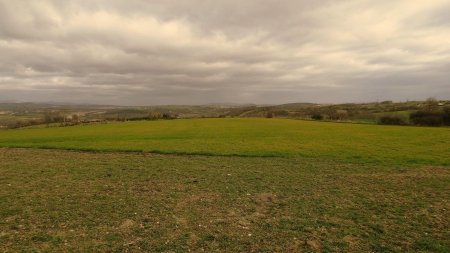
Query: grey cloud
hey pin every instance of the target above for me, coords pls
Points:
(194, 52)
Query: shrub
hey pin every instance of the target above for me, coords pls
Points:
(53, 117)
(446, 116)
(427, 118)
(317, 116)
(391, 120)
(167, 116)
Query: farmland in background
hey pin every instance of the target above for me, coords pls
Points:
(14, 115)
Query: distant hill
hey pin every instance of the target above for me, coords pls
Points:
(18, 114)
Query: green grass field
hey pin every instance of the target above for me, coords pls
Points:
(249, 137)
(247, 185)
(70, 201)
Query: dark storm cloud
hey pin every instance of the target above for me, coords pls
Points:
(203, 51)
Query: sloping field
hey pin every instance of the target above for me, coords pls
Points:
(66, 201)
(255, 185)
(249, 137)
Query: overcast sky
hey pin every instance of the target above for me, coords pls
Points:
(137, 52)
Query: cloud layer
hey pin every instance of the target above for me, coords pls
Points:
(140, 52)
